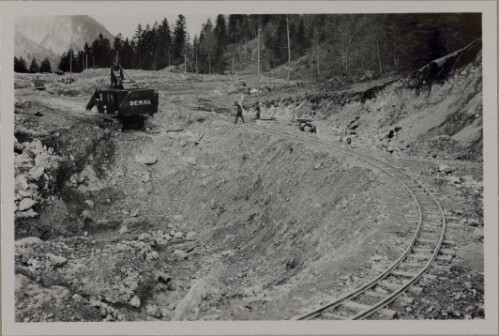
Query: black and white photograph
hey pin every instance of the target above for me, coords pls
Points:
(242, 166)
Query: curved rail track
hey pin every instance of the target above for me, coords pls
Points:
(404, 272)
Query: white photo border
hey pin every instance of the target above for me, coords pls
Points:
(9, 11)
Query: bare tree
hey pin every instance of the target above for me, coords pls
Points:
(289, 47)
(318, 52)
(377, 43)
(258, 66)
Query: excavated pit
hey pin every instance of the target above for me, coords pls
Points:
(245, 225)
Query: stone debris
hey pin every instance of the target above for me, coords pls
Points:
(25, 204)
(190, 235)
(34, 166)
(56, 261)
(148, 159)
(179, 254)
(191, 160)
(135, 302)
(473, 222)
(153, 310)
(26, 214)
(28, 241)
(77, 298)
(160, 237)
(445, 169)
(123, 229)
(201, 289)
(145, 237)
(163, 277)
(36, 173)
(478, 234)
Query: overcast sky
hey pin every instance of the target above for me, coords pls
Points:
(126, 24)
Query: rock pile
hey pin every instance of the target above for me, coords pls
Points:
(34, 165)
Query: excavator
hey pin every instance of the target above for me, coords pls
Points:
(124, 102)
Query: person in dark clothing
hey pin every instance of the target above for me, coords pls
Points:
(117, 78)
(258, 110)
(239, 112)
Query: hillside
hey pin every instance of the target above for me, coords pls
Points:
(41, 35)
(405, 115)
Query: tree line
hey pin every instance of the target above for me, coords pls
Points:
(341, 44)
(20, 65)
(151, 48)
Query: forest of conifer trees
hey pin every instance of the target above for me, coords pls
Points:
(348, 44)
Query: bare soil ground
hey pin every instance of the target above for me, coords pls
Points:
(196, 218)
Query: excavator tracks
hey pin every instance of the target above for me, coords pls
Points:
(402, 275)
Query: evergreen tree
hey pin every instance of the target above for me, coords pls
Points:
(102, 52)
(45, 66)
(179, 38)
(20, 65)
(127, 56)
(301, 42)
(147, 47)
(234, 28)
(220, 33)
(163, 45)
(207, 46)
(34, 68)
(195, 45)
(138, 45)
(64, 62)
(118, 48)
(88, 55)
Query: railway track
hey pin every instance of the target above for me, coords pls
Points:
(372, 297)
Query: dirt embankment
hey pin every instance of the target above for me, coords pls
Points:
(426, 117)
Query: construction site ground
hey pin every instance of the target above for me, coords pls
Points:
(198, 218)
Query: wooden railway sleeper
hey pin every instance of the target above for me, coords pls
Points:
(427, 241)
(421, 250)
(403, 274)
(386, 313)
(331, 316)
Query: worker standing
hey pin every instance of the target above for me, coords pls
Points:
(239, 112)
(258, 110)
(117, 76)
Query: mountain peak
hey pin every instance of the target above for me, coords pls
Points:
(56, 34)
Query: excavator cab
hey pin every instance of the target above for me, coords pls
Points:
(124, 99)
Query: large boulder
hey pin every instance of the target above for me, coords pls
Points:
(36, 173)
(25, 204)
(56, 261)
